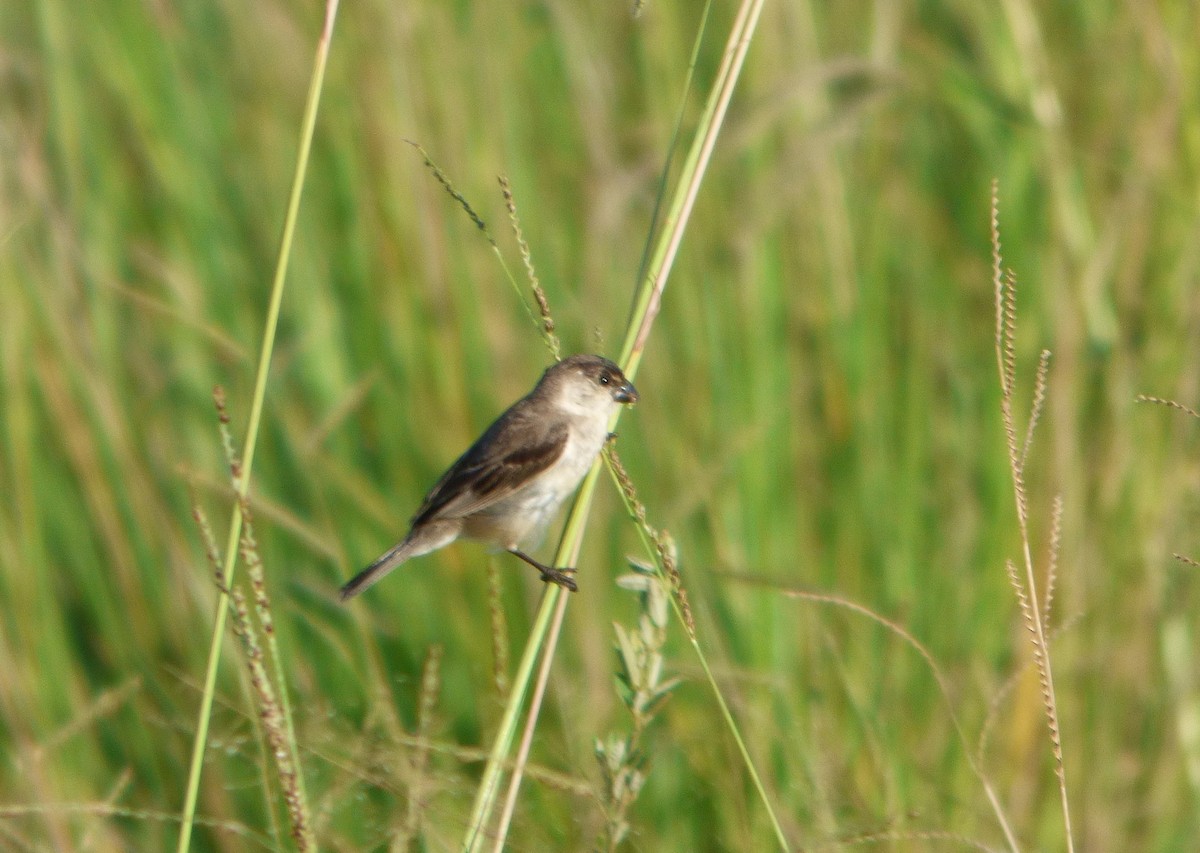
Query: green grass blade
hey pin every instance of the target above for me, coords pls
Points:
(542, 644)
(188, 814)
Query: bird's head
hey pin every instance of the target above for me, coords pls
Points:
(588, 384)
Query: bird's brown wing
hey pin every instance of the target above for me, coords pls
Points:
(516, 448)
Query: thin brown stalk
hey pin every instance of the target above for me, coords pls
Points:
(663, 544)
(499, 632)
(1010, 331)
(116, 791)
(102, 706)
(998, 286)
(291, 779)
(539, 295)
(894, 835)
(1022, 598)
(1145, 398)
(108, 810)
(274, 709)
(993, 711)
(927, 656)
(431, 681)
(227, 445)
(1052, 551)
(444, 180)
(1006, 322)
(1039, 401)
(667, 554)
(211, 549)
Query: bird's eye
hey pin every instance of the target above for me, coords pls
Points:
(604, 379)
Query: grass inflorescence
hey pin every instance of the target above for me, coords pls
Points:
(254, 626)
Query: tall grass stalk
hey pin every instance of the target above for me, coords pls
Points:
(242, 485)
(547, 627)
(1035, 612)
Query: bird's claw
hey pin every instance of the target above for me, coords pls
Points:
(562, 577)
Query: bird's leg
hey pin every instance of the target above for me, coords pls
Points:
(562, 577)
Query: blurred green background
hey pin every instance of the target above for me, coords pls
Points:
(819, 408)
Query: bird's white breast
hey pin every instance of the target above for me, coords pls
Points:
(521, 518)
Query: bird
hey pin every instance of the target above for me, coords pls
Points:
(508, 486)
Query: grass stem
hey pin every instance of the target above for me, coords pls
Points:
(200, 741)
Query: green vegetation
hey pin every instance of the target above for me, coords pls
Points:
(820, 416)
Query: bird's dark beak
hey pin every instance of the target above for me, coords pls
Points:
(626, 393)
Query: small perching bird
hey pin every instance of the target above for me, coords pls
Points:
(507, 488)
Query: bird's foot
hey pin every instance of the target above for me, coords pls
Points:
(562, 577)
(549, 574)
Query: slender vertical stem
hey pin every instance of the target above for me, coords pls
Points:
(646, 306)
(242, 486)
(535, 702)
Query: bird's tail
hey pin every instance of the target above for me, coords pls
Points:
(374, 573)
